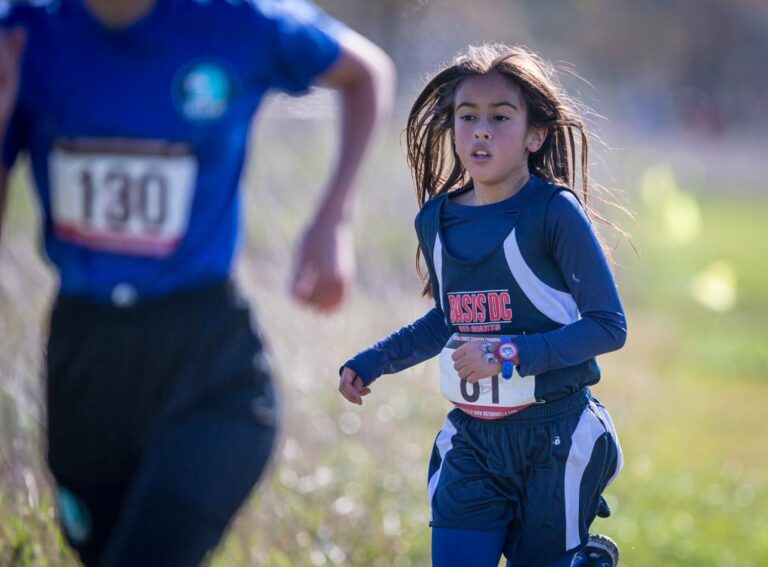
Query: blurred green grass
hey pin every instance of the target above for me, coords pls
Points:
(348, 485)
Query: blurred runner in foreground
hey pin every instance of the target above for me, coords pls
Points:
(135, 116)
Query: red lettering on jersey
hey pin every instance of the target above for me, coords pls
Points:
(466, 308)
(479, 304)
(506, 311)
(479, 307)
(453, 301)
(498, 306)
(493, 306)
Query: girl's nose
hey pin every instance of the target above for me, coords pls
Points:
(482, 133)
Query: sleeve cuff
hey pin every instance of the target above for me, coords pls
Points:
(368, 364)
(531, 352)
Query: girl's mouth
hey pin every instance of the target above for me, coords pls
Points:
(480, 156)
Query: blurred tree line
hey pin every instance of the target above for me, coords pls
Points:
(687, 66)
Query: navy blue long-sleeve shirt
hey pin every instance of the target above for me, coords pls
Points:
(470, 232)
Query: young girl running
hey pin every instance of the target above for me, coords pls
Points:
(524, 301)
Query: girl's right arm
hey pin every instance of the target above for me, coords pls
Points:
(11, 47)
(414, 343)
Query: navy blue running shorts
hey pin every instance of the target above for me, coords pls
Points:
(539, 473)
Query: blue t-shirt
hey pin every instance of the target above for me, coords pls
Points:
(137, 136)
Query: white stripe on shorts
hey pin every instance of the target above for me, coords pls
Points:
(586, 434)
(605, 417)
(444, 445)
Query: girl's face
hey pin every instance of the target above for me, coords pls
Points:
(491, 130)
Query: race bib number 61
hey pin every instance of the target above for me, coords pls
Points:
(488, 398)
(126, 197)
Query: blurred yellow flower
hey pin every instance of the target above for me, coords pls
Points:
(676, 213)
(715, 287)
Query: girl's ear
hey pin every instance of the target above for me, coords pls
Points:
(535, 139)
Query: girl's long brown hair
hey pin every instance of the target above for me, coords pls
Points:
(562, 158)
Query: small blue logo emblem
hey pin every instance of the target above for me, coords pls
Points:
(203, 90)
(74, 516)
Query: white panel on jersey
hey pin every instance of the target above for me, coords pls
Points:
(444, 444)
(437, 261)
(557, 305)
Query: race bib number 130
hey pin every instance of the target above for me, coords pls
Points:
(125, 197)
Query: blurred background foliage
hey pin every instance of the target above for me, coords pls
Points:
(682, 86)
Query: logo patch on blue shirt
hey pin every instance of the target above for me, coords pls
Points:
(74, 516)
(203, 90)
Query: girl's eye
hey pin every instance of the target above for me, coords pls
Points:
(466, 117)
(500, 118)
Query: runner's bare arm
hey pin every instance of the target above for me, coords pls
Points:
(11, 47)
(3, 194)
(364, 77)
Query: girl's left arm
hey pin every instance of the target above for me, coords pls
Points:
(603, 326)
